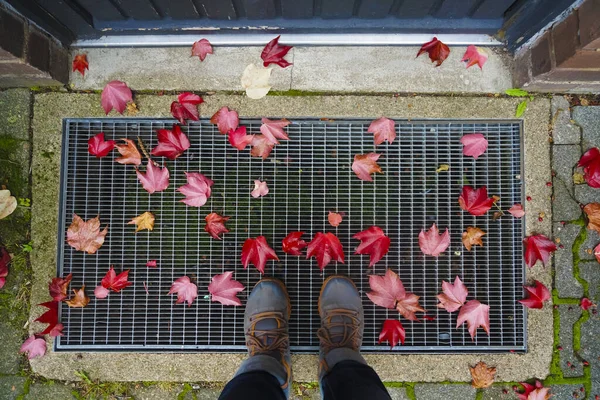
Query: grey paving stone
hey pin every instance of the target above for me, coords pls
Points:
(15, 112)
(588, 118)
(564, 206)
(397, 393)
(433, 391)
(49, 391)
(566, 392)
(590, 271)
(156, 392)
(10, 342)
(586, 251)
(570, 365)
(563, 131)
(586, 194)
(564, 159)
(565, 282)
(11, 387)
(590, 348)
(499, 393)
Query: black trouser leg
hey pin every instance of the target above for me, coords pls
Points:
(351, 380)
(255, 385)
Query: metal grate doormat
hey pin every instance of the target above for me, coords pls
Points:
(308, 176)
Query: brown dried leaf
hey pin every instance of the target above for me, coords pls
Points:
(472, 237)
(592, 211)
(482, 375)
(85, 235)
(143, 221)
(79, 300)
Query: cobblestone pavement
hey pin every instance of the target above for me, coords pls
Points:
(575, 369)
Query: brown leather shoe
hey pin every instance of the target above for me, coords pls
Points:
(266, 319)
(342, 318)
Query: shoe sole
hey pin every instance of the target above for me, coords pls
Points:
(282, 286)
(325, 284)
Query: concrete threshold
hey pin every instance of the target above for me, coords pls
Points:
(50, 108)
(368, 69)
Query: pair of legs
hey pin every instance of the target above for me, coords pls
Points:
(267, 373)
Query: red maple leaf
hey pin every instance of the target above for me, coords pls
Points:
(293, 244)
(537, 247)
(366, 164)
(86, 235)
(201, 48)
(151, 264)
(115, 282)
(225, 119)
(388, 291)
(99, 147)
(156, 179)
(335, 219)
(383, 129)
(261, 146)
(171, 143)
(475, 144)
(517, 210)
(239, 139)
(475, 201)
(186, 290)
(590, 162)
(58, 287)
(80, 63)
(533, 392)
(453, 296)
(224, 289)
(437, 51)
(374, 242)
(197, 190)
(4, 261)
(115, 95)
(34, 346)
(325, 247)
(129, 153)
(475, 55)
(586, 303)
(273, 129)
(50, 317)
(274, 52)
(536, 295)
(215, 225)
(476, 315)
(432, 243)
(392, 332)
(101, 292)
(596, 253)
(186, 107)
(257, 251)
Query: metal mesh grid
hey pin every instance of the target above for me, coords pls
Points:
(308, 176)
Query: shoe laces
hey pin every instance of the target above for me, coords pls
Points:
(261, 341)
(348, 336)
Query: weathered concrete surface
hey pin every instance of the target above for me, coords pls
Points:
(563, 131)
(431, 391)
(499, 393)
(55, 391)
(324, 69)
(564, 281)
(50, 108)
(11, 387)
(569, 364)
(587, 118)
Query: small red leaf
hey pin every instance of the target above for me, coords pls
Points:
(274, 52)
(432, 243)
(261, 146)
(225, 119)
(475, 144)
(156, 179)
(58, 287)
(4, 261)
(171, 143)
(50, 317)
(392, 332)
(536, 295)
(116, 95)
(325, 247)
(100, 292)
(197, 190)
(596, 253)
(201, 48)
(260, 189)
(224, 289)
(257, 251)
(273, 130)
(115, 282)
(590, 162)
(239, 139)
(366, 164)
(383, 129)
(537, 247)
(388, 291)
(34, 347)
(586, 303)
(437, 51)
(476, 315)
(186, 290)
(374, 242)
(99, 147)
(186, 107)
(453, 296)
(517, 210)
(475, 201)
(151, 264)
(293, 244)
(537, 392)
(80, 63)
(335, 219)
(215, 225)
(129, 153)
(474, 55)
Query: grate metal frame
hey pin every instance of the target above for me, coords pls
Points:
(139, 321)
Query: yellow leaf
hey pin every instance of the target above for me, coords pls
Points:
(442, 168)
(143, 221)
(578, 178)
